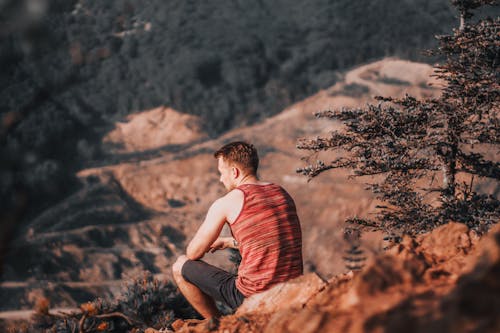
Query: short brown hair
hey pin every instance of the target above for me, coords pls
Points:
(241, 153)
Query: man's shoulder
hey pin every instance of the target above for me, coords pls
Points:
(233, 195)
(231, 203)
(229, 198)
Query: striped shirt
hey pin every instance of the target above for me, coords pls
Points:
(268, 231)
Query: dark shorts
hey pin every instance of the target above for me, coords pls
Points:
(213, 281)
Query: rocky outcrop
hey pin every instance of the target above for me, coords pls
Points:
(399, 291)
(290, 295)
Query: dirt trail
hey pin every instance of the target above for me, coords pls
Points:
(26, 314)
(72, 284)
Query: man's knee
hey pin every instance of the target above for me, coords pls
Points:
(177, 266)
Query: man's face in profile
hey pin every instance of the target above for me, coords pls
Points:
(226, 174)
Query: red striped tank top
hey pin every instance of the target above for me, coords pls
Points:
(268, 231)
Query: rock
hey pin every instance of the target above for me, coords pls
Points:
(403, 265)
(291, 294)
(445, 242)
(474, 305)
(303, 321)
(196, 325)
(176, 325)
(445, 249)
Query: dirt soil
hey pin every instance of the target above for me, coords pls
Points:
(444, 281)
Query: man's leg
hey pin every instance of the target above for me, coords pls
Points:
(203, 303)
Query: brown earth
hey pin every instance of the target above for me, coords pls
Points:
(190, 176)
(153, 129)
(444, 281)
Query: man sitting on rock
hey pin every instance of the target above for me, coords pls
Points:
(266, 229)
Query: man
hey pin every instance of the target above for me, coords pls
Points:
(266, 229)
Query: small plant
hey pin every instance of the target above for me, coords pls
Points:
(354, 257)
(154, 303)
(144, 302)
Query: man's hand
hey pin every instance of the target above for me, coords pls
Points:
(210, 229)
(222, 243)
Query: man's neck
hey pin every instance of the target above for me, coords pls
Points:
(248, 179)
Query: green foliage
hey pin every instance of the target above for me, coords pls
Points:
(465, 7)
(404, 143)
(144, 302)
(155, 303)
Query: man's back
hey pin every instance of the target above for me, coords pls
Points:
(268, 231)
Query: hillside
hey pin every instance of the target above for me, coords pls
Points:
(137, 211)
(72, 68)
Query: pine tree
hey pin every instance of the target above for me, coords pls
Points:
(404, 142)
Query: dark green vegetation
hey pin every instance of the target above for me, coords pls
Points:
(427, 156)
(145, 302)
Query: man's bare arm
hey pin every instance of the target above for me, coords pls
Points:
(209, 231)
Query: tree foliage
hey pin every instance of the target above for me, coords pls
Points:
(442, 142)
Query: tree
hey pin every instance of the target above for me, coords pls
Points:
(404, 142)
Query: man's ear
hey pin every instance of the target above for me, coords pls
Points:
(236, 172)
